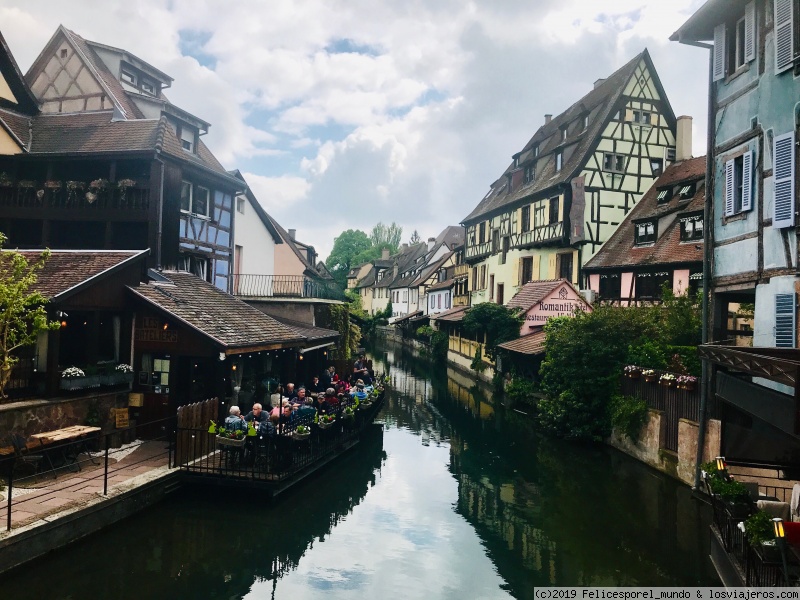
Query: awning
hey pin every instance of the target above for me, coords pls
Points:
(700, 26)
(531, 344)
(304, 350)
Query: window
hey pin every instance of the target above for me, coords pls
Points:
(536, 150)
(495, 240)
(738, 57)
(148, 87)
(538, 214)
(656, 166)
(687, 191)
(645, 233)
(187, 139)
(785, 311)
(128, 77)
(735, 42)
(691, 228)
(648, 285)
(642, 117)
(509, 182)
(530, 173)
(613, 162)
(554, 217)
(506, 244)
(664, 195)
(564, 134)
(670, 155)
(738, 184)
(63, 53)
(197, 265)
(527, 270)
(240, 205)
(525, 219)
(501, 293)
(483, 277)
(585, 123)
(474, 278)
(565, 266)
(559, 160)
(195, 199)
(482, 232)
(491, 287)
(610, 286)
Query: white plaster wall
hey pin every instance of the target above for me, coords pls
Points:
(258, 255)
(732, 259)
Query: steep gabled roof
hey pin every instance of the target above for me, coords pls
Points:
(9, 71)
(430, 269)
(620, 251)
(599, 105)
(18, 125)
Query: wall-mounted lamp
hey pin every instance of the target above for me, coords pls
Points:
(166, 326)
(300, 357)
(222, 356)
(63, 323)
(233, 368)
(720, 461)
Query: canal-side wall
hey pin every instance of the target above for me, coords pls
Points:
(649, 448)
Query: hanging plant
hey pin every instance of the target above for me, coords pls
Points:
(123, 185)
(53, 185)
(5, 180)
(99, 184)
(26, 184)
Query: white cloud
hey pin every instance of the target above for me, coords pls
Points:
(276, 194)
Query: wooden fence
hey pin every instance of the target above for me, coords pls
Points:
(193, 417)
(675, 403)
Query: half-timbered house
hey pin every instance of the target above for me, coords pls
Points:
(571, 185)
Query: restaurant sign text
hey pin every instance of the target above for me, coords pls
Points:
(152, 330)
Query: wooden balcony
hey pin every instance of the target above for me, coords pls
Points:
(776, 364)
(462, 300)
(27, 200)
(461, 271)
(478, 250)
(541, 235)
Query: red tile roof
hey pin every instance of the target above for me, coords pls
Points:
(533, 343)
(65, 270)
(227, 321)
(533, 292)
(91, 133)
(620, 251)
(454, 315)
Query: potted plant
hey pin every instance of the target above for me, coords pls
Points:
(632, 371)
(226, 437)
(760, 532)
(649, 375)
(326, 421)
(301, 432)
(123, 185)
(125, 371)
(734, 495)
(72, 378)
(667, 380)
(348, 413)
(686, 382)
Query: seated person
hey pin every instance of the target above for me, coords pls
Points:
(275, 399)
(358, 391)
(290, 392)
(305, 406)
(234, 420)
(360, 367)
(343, 387)
(332, 400)
(321, 404)
(257, 414)
(316, 386)
(268, 427)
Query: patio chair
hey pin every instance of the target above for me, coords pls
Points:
(23, 455)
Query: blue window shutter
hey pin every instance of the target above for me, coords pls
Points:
(783, 178)
(784, 34)
(784, 320)
(719, 52)
(729, 188)
(750, 32)
(747, 181)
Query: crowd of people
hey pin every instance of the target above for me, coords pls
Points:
(292, 404)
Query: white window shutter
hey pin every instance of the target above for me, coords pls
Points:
(719, 52)
(750, 32)
(785, 320)
(783, 176)
(747, 181)
(729, 188)
(784, 34)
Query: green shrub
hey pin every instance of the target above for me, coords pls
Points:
(649, 354)
(758, 528)
(688, 357)
(628, 415)
(521, 391)
(493, 322)
(477, 363)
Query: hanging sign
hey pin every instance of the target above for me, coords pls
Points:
(121, 418)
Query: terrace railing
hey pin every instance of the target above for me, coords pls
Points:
(284, 286)
(131, 199)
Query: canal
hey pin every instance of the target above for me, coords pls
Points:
(448, 497)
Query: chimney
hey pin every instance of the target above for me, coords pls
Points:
(394, 270)
(431, 243)
(598, 82)
(385, 254)
(683, 139)
(292, 233)
(547, 119)
(403, 246)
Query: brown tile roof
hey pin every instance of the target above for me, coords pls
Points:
(533, 292)
(454, 315)
(108, 79)
(598, 105)
(17, 124)
(416, 313)
(312, 334)
(619, 250)
(66, 270)
(26, 101)
(530, 344)
(442, 285)
(224, 319)
(91, 133)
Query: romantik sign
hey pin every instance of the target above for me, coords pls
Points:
(149, 329)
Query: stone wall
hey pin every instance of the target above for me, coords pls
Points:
(35, 416)
(649, 447)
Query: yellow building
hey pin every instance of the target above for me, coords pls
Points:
(572, 184)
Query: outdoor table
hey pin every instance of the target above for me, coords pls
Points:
(69, 442)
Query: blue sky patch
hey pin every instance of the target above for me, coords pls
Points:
(348, 46)
(192, 43)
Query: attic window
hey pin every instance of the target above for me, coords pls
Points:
(663, 195)
(642, 117)
(559, 160)
(687, 191)
(187, 139)
(586, 121)
(645, 233)
(564, 134)
(530, 173)
(128, 77)
(692, 228)
(614, 163)
(63, 53)
(536, 150)
(148, 87)
(240, 205)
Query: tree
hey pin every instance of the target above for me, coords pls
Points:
(346, 247)
(22, 312)
(415, 239)
(386, 236)
(494, 321)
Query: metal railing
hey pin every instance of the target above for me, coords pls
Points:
(272, 458)
(284, 286)
(62, 458)
(112, 197)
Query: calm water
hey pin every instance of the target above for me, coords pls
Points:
(451, 498)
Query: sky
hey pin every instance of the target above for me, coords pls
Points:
(343, 113)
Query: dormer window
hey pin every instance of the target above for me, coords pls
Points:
(645, 233)
(530, 173)
(536, 150)
(148, 87)
(585, 122)
(687, 191)
(663, 195)
(128, 76)
(564, 134)
(559, 160)
(692, 227)
(187, 139)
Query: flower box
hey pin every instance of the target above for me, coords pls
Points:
(325, 424)
(668, 383)
(300, 437)
(234, 442)
(650, 378)
(364, 404)
(73, 383)
(634, 374)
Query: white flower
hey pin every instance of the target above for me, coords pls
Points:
(741, 526)
(72, 372)
(123, 368)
